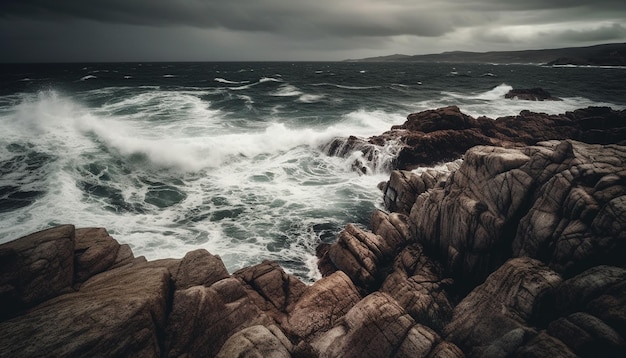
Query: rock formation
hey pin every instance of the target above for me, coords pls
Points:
(531, 94)
(445, 134)
(516, 251)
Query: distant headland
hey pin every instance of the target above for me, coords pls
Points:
(599, 55)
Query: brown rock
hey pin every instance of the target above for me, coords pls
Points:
(96, 251)
(502, 309)
(417, 286)
(271, 288)
(588, 336)
(544, 345)
(322, 304)
(200, 268)
(116, 313)
(376, 327)
(203, 318)
(257, 342)
(35, 268)
(578, 215)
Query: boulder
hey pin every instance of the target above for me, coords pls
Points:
(499, 314)
(322, 305)
(271, 288)
(416, 285)
(95, 251)
(588, 336)
(577, 216)
(378, 327)
(445, 134)
(121, 312)
(204, 318)
(35, 268)
(200, 268)
(364, 256)
(257, 342)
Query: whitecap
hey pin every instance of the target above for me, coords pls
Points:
(223, 80)
(88, 77)
(286, 90)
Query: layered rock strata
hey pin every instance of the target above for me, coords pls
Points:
(515, 251)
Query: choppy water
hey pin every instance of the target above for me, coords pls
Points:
(226, 156)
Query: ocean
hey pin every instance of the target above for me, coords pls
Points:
(172, 157)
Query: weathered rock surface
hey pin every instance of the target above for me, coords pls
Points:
(121, 312)
(497, 314)
(35, 268)
(445, 134)
(560, 202)
(515, 251)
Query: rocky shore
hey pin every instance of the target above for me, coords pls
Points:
(518, 250)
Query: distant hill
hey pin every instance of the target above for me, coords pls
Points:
(598, 55)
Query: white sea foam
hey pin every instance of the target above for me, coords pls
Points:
(345, 86)
(222, 80)
(286, 90)
(88, 77)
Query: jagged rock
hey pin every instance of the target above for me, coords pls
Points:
(531, 94)
(575, 294)
(544, 345)
(578, 215)
(363, 255)
(469, 222)
(438, 119)
(404, 187)
(588, 336)
(200, 268)
(377, 327)
(35, 268)
(417, 286)
(322, 305)
(498, 313)
(96, 251)
(271, 288)
(393, 228)
(203, 318)
(116, 313)
(444, 134)
(257, 342)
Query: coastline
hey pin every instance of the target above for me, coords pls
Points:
(517, 251)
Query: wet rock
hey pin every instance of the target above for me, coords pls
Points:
(445, 134)
(36, 267)
(531, 94)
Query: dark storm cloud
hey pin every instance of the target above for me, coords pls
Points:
(296, 29)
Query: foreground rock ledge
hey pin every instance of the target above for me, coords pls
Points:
(518, 252)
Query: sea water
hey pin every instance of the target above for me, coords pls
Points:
(172, 157)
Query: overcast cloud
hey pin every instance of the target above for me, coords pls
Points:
(207, 30)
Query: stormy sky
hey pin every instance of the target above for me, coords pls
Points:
(232, 30)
